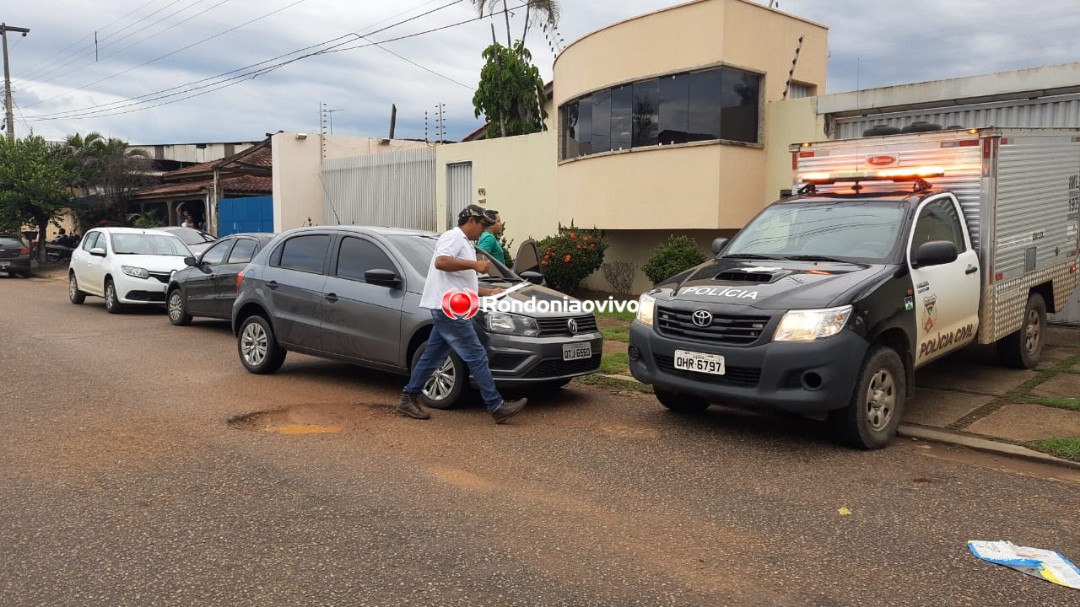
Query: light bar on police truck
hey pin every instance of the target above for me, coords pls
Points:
(880, 175)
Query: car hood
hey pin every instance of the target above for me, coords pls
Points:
(537, 293)
(151, 263)
(773, 284)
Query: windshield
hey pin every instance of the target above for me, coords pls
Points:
(418, 250)
(813, 229)
(191, 236)
(148, 244)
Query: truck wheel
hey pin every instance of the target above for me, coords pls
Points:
(680, 403)
(877, 403)
(1023, 349)
(443, 390)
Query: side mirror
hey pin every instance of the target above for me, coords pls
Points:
(97, 252)
(383, 278)
(718, 245)
(191, 261)
(534, 277)
(935, 253)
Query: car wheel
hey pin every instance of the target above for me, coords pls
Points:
(178, 308)
(258, 348)
(112, 302)
(872, 415)
(680, 403)
(74, 294)
(444, 388)
(1023, 349)
(26, 274)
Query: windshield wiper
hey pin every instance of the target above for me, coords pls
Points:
(751, 256)
(815, 258)
(498, 279)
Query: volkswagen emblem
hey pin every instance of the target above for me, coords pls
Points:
(571, 325)
(701, 318)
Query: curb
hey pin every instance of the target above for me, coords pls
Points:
(981, 444)
(955, 438)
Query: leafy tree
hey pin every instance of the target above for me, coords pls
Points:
(34, 184)
(511, 94)
(106, 169)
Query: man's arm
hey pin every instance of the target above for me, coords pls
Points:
(455, 264)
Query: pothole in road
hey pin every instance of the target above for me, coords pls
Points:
(312, 418)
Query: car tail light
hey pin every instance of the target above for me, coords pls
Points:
(24, 251)
(239, 281)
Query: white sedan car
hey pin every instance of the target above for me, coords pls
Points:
(126, 266)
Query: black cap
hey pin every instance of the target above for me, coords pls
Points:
(475, 210)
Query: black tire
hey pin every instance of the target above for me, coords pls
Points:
(680, 403)
(258, 348)
(26, 274)
(445, 387)
(176, 305)
(112, 300)
(1023, 349)
(877, 403)
(74, 294)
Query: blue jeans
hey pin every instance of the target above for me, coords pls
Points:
(459, 336)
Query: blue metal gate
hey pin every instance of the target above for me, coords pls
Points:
(249, 214)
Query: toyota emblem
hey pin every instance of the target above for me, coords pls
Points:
(571, 325)
(701, 318)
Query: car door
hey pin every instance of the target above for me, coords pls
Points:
(225, 275)
(362, 320)
(199, 286)
(946, 295)
(91, 270)
(294, 281)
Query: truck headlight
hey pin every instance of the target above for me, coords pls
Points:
(808, 325)
(513, 324)
(135, 271)
(646, 306)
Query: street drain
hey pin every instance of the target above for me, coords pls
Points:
(310, 418)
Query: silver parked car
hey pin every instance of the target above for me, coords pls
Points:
(352, 294)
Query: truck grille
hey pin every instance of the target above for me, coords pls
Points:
(734, 376)
(722, 329)
(560, 326)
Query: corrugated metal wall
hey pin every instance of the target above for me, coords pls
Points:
(1062, 111)
(396, 189)
(459, 190)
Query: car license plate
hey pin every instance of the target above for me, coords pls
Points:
(699, 362)
(577, 351)
(4, 264)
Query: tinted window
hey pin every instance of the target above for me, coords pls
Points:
(305, 253)
(417, 250)
(938, 220)
(622, 119)
(646, 107)
(216, 254)
(10, 243)
(739, 106)
(356, 256)
(674, 105)
(703, 119)
(244, 251)
(601, 122)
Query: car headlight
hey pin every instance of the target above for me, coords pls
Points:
(514, 324)
(135, 271)
(808, 325)
(646, 306)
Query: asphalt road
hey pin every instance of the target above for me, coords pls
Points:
(124, 482)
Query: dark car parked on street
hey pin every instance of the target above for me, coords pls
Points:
(14, 256)
(352, 293)
(207, 287)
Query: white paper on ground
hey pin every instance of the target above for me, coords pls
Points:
(1045, 564)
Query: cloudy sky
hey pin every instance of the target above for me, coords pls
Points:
(188, 71)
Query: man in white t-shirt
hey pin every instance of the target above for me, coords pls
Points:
(453, 270)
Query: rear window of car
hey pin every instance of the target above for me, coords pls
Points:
(10, 243)
(305, 253)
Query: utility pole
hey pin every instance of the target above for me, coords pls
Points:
(10, 117)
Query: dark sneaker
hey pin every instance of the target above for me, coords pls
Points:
(410, 407)
(508, 409)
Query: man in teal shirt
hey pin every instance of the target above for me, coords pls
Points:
(489, 240)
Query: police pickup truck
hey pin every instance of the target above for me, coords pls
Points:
(896, 251)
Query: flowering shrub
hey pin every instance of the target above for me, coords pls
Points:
(569, 256)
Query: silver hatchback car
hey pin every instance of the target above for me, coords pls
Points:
(352, 294)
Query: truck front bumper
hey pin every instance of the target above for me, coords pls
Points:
(797, 377)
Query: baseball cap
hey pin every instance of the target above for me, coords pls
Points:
(475, 210)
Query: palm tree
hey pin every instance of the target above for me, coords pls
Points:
(105, 167)
(547, 11)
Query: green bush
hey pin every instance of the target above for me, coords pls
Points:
(569, 256)
(677, 254)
